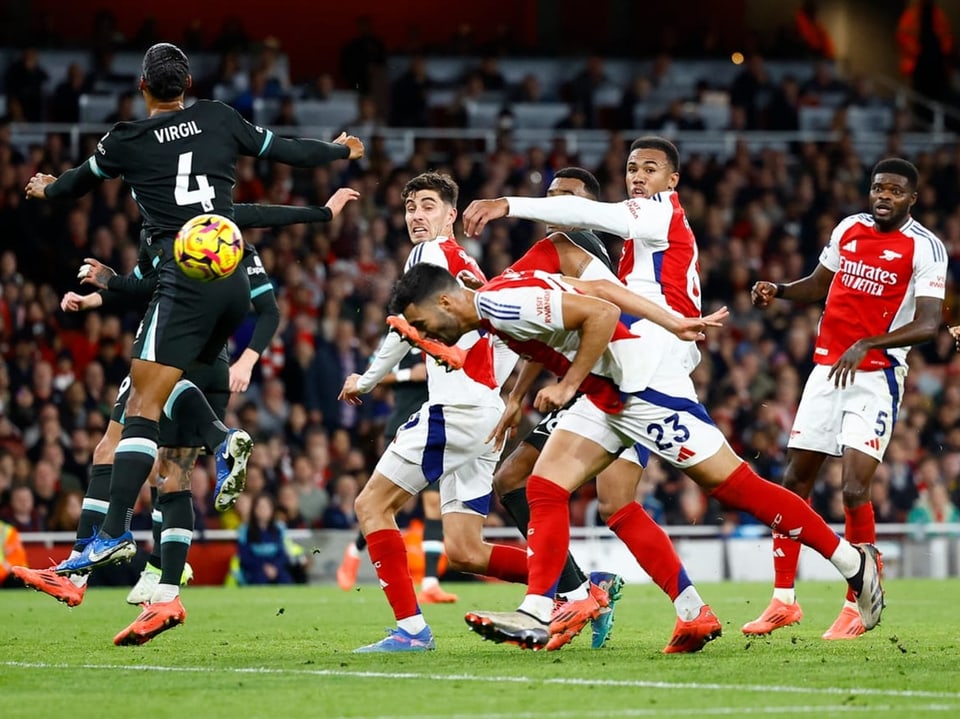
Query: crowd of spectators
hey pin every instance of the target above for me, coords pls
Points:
(763, 214)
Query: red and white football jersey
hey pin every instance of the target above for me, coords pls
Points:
(477, 383)
(660, 260)
(525, 310)
(878, 276)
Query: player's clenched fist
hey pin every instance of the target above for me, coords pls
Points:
(763, 293)
(354, 143)
(36, 188)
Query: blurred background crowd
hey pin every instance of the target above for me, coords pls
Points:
(776, 146)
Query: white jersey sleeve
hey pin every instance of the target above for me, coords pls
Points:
(930, 269)
(430, 252)
(639, 219)
(830, 255)
(391, 350)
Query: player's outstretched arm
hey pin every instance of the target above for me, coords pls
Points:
(567, 211)
(72, 183)
(74, 302)
(686, 328)
(812, 288)
(116, 288)
(268, 321)
(388, 355)
(304, 152)
(254, 215)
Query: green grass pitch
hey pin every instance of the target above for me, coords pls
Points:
(286, 652)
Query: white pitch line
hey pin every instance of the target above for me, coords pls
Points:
(568, 681)
(830, 709)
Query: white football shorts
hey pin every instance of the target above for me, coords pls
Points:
(666, 419)
(445, 444)
(861, 416)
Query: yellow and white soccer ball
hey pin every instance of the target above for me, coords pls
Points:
(208, 247)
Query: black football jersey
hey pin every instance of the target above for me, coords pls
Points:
(180, 164)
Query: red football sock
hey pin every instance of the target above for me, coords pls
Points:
(650, 545)
(548, 535)
(389, 556)
(508, 563)
(786, 557)
(860, 526)
(778, 508)
(542, 256)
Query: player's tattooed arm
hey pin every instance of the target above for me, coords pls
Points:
(93, 272)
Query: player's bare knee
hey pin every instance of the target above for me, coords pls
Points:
(855, 494)
(797, 484)
(364, 507)
(608, 508)
(461, 553)
(103, 452)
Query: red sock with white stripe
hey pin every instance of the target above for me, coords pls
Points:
(508, 563)
(786, 557)
(860, 526)
(548, 536)
(776, 507)
(389, 556)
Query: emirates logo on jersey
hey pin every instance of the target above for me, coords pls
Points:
(857, 275)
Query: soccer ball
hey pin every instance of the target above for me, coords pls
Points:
(208, 247)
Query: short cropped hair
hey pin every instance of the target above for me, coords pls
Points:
(655, 142)
(165, 71)
(420, 282)
(898, 166)
(590, 183)
(443, 185)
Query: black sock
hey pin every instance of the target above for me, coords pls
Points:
(432, 546)
(95, 503)
(132, 463)
(189, 408)
(515, 502)
(177, 533)
(156, 517)
(360, 542)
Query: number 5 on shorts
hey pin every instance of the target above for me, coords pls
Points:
(881, 425)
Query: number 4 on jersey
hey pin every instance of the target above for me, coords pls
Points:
(204, 193)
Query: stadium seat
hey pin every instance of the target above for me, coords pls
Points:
(265, 109)
(816, 118)
(57, 62)
(715, 117)
(333, 114)
(441, 97)
(482, 115)
(869, 119)
(95, 108)
(539, 115)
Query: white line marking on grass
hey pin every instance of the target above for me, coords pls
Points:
(830, 709)
(568, 681)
